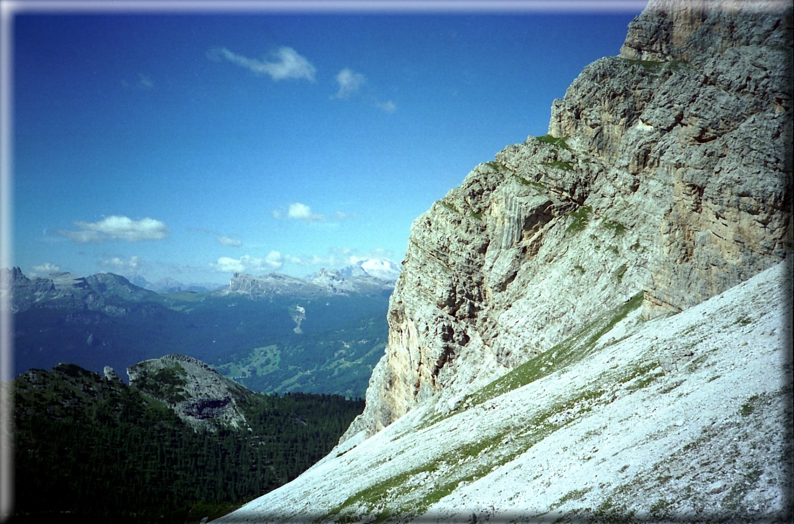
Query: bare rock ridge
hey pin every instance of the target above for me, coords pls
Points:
(198, 394)
(666, 172)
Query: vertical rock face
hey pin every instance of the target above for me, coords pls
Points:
(666, 171)
(711, 120)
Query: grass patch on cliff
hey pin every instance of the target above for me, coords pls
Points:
(410, 493)
(565, 166)
(657, 65)
(615, 227)
(558, 142)
(649, 65)
(568, 352)
(533, 183)
(496, 166)
(577, 494)
(619, 272)
(580, 218)
(450, 206)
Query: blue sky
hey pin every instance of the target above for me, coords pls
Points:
(193, 145)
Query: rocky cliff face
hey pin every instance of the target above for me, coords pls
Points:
(666, 172)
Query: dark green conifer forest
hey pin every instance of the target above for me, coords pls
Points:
(92, 449)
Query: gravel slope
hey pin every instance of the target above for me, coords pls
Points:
(680, 418)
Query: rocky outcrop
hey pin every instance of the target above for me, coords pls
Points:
(266, 286)
(666, 171)
(110, 374)
(198, 394)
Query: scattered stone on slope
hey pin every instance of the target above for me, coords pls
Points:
(684, 418)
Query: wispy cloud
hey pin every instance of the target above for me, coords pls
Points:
(117, 228)
(143, 82)
(337, 257)
(224, 240)
(230, 241)
(248, 264)
(44, 269)
(349, 83)
(388, 106)
(286, 63)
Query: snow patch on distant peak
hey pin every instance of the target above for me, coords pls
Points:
(379, 268)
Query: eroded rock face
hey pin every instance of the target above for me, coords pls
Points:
(710, 119)
(666, 171)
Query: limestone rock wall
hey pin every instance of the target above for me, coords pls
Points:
(666, 171)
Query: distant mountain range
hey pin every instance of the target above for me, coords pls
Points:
(273, 333)
(170, 285)
(363, 278)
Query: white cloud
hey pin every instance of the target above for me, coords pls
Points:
(44, 269)
(121, 265)
(229, 265)
(337, 258)
(248, 264)
(374, 254)
(274, 259)
(300, 211)
(117, 228)
(231, 241)
(349, 83)
(287, 64)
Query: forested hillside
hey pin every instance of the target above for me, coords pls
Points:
(94, 449)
